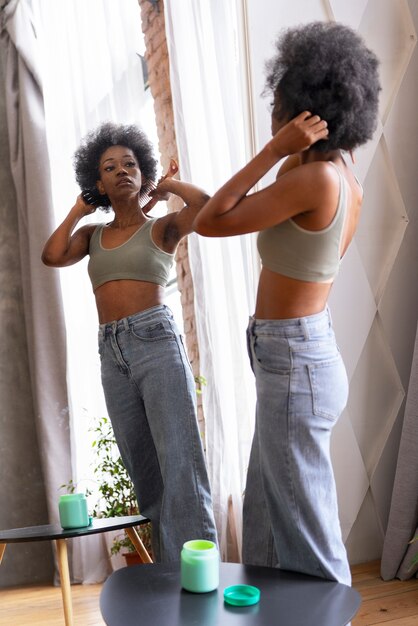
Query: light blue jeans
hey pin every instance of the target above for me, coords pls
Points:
(151, 400)
(290, 505)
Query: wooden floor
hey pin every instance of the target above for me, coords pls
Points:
(392, 603)
(42, 606)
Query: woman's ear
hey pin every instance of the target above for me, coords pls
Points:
(100, 187)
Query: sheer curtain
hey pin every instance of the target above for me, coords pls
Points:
(92, 73)
(209, 104)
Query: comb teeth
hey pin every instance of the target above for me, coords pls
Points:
(145, 202)
(144, 195)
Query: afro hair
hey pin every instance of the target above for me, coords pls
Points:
(326, 68)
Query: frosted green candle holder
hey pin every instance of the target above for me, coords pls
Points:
(73, 511)
(199, 566)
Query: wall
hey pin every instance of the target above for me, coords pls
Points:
(21, 477)
(374, 302)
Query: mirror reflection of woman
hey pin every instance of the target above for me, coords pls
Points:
(148, 383)
(325, 88)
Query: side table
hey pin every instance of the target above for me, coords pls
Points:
(54, 532)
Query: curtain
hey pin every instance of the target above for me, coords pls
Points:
(209, 107)
(398, 553)
(41, 294)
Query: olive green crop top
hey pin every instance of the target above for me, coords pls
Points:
(313, 256)
(139, 258)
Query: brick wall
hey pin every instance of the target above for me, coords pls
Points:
(153, 27)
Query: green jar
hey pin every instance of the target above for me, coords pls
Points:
(199, 566)
(73, 511)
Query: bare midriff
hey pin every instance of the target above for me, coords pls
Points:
(117, 299)
(281, 297)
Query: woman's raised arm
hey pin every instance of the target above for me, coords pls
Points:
(64, 248)
(223, 214)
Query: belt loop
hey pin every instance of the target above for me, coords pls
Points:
(329, 316)
(251, 324)
(126, 323)
(305, 327)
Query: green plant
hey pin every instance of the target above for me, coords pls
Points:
(71, 487)
(200, 382)
(116, 491)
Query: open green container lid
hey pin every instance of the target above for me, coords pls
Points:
(241, 595)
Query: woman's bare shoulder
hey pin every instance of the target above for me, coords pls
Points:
(86, 231)
(313, 174)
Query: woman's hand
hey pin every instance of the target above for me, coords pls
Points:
(160, 192)
(298, 135)
(65, 248)
(232, 210)
(177, 224)
(83, 207)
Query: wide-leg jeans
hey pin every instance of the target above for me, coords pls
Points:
(150, 395)
(290, 505)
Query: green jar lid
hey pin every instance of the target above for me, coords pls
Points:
(241, 595)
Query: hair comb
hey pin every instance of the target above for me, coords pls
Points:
(145, 201)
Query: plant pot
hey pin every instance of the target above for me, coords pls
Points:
(132, 558)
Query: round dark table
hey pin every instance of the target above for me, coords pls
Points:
(151, 594)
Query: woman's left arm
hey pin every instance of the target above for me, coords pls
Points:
(178, 224)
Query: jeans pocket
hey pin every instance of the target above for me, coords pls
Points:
(249, 347)
(272, 354)
(329, 386)
(154, 331)
(184, 350)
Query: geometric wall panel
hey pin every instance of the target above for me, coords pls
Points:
(352, 323)
(375, 398)
(366, 537)
(349, 13)
(389, 29)
(383, 221)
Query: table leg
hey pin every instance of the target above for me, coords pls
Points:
(139, 546)
(2, 549)
(65, 580)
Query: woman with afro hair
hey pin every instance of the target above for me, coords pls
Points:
(325, 87)
(147, 379)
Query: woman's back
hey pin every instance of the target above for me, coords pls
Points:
(301, 256)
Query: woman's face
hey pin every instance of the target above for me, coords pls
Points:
(119, 172)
